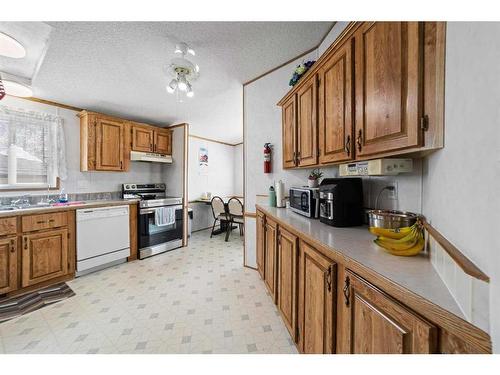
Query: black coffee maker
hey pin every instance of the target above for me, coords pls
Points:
(341, 202)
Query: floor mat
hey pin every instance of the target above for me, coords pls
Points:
(16, 306)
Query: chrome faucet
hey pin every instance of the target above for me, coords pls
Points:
(24, 201)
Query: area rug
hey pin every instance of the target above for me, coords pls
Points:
(13, 307)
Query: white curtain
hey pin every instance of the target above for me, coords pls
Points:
(36, 146)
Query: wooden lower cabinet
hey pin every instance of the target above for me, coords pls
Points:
(316, 301)
(270, 256)
(374, 323)
(287, 279)
(260, 242)
(44, 256)
(8, 264)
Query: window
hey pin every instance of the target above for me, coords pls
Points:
(32, 149)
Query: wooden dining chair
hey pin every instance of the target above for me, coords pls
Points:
(218, 211)
(235, 213)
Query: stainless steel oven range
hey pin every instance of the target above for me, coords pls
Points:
(161, 218)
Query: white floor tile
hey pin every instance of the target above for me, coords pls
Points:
(198, 299)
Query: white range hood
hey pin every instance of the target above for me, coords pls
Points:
(150, 157)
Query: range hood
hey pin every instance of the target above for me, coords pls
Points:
(150, 157)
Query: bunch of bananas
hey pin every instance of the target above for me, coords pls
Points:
(407, 241)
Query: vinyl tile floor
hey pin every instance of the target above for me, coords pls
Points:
(197, 299)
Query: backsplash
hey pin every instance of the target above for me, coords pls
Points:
(34, 199)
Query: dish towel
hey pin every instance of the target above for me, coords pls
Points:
(164, 216)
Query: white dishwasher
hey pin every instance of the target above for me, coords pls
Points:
(102, 237)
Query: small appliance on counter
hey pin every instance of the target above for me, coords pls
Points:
(304, 201)
(341, 202)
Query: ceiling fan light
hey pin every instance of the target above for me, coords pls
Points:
(17, 89)
(10, 47)
(182, 86)
(190, 93)
(172, 86)
(191, 51)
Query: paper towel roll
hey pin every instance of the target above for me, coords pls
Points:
(280, 194)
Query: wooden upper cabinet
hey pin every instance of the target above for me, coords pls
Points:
(270, 256)
(142, 138)
(316, 301)
(8, 264)
(336, 106)
(163, 141)
(44, 256)
(307, 127)
(374, 323)
(104, 143)
(388, 64)
(260, 231)
(287, 279)
(289, 132)
(110, 141)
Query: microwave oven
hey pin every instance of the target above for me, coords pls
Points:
(305, 201)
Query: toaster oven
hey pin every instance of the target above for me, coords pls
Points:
(305, 201)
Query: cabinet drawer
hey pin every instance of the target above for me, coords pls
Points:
(8, 226)
(44, 221)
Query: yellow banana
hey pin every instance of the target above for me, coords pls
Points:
(391, 233)
(414, 250)
(410, 236)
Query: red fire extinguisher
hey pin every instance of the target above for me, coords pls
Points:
(267, 158)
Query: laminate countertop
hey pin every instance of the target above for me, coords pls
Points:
(415, 274)
(70, 206)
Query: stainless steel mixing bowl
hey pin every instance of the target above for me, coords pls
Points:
(391, 219)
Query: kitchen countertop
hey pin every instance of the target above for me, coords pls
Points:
(70, 206)
(415, 274)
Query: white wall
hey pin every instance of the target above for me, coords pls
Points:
(86, 182)
(238, 170)
(218, 178)
(461, 181)
(174, 173)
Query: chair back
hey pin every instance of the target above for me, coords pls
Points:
(218, 207)
(235, 207)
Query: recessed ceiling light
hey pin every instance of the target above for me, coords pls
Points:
(10, 47)
(17, 89)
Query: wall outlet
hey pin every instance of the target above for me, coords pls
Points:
(393, 194)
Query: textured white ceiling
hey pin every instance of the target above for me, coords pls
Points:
(117, 67)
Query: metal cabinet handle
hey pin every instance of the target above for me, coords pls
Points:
(348, 145)
(12, 246)
(347, 290)
(25, 242)
(359, 139)
(40, 222)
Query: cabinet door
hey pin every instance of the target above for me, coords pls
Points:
(374, 323)
(335, 106)
(109, 145)
(270, 257)
(287, 280)
(163, 142)
(387, 86)
(142, 138)
(260, 229)
(289, 131)
(307, 126)
(316, 307)
(44, 256)
(8, 264)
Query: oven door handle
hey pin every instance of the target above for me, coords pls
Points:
(147, 211)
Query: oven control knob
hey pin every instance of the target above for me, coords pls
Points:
(132, 186)
(127, 187)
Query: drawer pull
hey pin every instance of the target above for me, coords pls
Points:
(348, 145)
(359, 139)
(25, 240)
(40, 222)
(12, 246)
(52, 220)
(347, 290)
